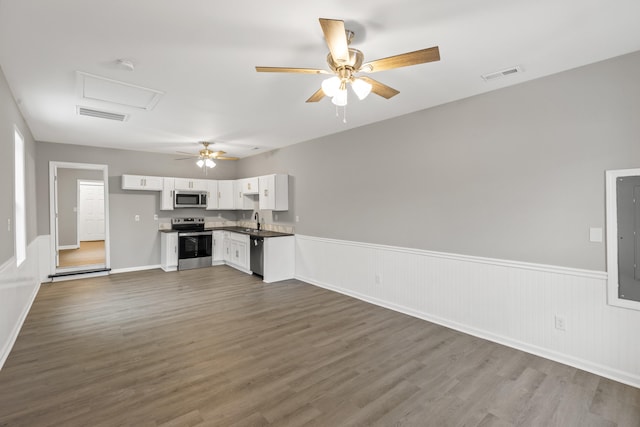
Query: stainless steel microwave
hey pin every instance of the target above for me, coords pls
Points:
(190, 199)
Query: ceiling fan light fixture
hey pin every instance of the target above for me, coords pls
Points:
(340, 98)
(200, 163)
(361, 88)
(330, 86)
(209, 163)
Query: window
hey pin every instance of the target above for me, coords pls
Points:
(20, 213)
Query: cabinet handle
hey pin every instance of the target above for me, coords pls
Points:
(249, 186)
(240, 194)
(237, 254)
(219, 195)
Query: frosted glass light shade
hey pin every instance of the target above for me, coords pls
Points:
(200, 163)
(340, 98)
(209, 163)
(330, 86)
(361, 88)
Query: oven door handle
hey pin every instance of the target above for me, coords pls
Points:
(196, 233)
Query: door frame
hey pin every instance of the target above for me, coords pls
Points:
(80, 183)
(53, 212)
(612, 238)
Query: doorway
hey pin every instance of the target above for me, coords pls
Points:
(79, 218)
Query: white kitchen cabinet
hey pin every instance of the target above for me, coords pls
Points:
(274, 192)
(249, 185)
(243, 202)
(169, 251)
(236, 250)
(166, 196)
(226, 199)
(217, 252)
(212, 197)
(279, 258)
(141, 182)
(188, 184)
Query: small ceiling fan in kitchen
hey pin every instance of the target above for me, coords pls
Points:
(207, 156)
(346, 62)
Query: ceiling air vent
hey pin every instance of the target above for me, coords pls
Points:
(84, 111)
(502, 73)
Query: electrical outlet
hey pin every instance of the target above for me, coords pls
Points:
(275, 217)
(297, 218)
(561, 323)
(155, 217)
(137, 218)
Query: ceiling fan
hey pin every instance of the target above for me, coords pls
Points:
(206, 156)
(345, 62)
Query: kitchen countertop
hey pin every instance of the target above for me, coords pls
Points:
(252, 231)
(241, 230)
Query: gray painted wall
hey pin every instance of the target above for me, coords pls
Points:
(133, 244)
(515, 174)
(10, 116)
(68, 202)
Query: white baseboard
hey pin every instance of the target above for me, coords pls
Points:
(508, 302)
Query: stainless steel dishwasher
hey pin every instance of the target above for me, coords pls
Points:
(256, 255)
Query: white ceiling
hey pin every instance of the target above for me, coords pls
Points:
(202, 55)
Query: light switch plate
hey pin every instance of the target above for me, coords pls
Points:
(595, 234)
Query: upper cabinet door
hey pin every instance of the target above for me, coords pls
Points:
(140, 182)
(244, 201)
(249, 185)
(188, 184)
(274, 192)
(225, 195)
(166, 197)
(212, 199)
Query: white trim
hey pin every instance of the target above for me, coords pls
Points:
(591, 274)
(612, 238)
(139, 268)
(623, 377)
(53, 208)
(67, 247)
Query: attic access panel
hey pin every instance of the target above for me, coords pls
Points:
(96, 88)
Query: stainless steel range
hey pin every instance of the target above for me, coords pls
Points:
(194, 243)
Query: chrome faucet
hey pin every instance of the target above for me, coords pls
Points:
(257, 218)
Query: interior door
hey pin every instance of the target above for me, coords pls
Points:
(91, 210)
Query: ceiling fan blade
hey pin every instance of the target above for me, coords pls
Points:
(336, 39)
(317, 96)
(379, 88)
(290, 70)
(187, 154)
(186, 158)
(226, 158)
(403, 60)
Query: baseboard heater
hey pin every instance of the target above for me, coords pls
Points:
(75, 273)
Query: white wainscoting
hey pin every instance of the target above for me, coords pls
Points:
(18, 289)
(512, 303)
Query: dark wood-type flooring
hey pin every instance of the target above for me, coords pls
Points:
(215, 347)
